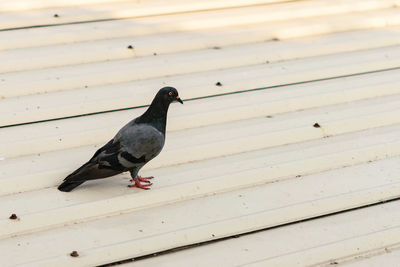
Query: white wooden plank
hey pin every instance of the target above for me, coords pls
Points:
(113, 49)
(48, 199)
(207, 142)
(198, 113)
(99, 128)
(131, 9)
(295, 26)
(389, 256)
(338, 232)
(324, 253)
(89, 100)
(18, 5)
(156, 229)
(95, 74)
(98, 8)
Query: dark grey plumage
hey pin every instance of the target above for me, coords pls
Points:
(133, 146)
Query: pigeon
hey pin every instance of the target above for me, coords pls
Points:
(132, 147)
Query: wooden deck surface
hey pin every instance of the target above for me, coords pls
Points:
(243, 156)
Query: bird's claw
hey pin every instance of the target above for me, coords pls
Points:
(140, 185)
(143, 179)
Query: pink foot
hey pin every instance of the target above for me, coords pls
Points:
(145, 179)
(140, 185)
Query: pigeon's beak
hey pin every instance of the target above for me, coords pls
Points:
(179, 100)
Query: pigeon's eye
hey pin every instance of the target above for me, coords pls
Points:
(170, 93)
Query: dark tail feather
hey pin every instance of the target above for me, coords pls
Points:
(68, 186)
(88, 171)
(75, 179)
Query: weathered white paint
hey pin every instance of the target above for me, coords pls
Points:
(374, 228)
(113, 49)
(154, 229)
(227, 168)
(304, 19)
(202, 143)
(102, 9)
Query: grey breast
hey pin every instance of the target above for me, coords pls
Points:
(141, 140)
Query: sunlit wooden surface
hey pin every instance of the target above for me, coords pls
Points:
(291, 126)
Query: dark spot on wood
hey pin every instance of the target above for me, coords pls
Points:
(56, 15)
(130, 47)
(298, 176)
(213, 235)
(216, 47)
(334, 263)
(13, 216)
(267, 62)
(86, 86)
(154, 54)
(74, 254)
(269, 116)
(218, 84)
(275, 39)
(316, 125)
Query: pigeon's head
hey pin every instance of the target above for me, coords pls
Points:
(169, 95)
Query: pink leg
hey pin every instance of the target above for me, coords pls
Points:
(140, 185)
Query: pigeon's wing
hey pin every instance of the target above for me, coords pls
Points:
(107, 156)
(109, 148)
(139, 144)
